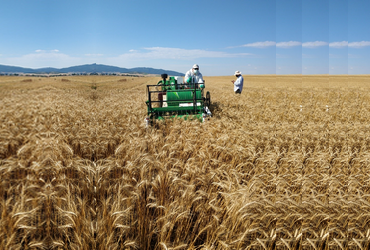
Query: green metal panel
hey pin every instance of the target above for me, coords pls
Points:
(186, 95)
(183, 95)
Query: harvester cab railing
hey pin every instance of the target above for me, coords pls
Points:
(172, 97)
(190, 95)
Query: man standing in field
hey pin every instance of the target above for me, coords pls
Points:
(238, 84)
(193, 75)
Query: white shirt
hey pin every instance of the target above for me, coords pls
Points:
(238, 84)
(198, 78)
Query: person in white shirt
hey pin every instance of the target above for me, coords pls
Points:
(193, 75)
(238, 84)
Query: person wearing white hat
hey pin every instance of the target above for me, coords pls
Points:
(238, 84)
(193, 75)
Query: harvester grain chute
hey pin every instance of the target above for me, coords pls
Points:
(174, 98)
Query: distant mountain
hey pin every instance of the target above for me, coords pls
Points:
(13, 69)
(88, 68)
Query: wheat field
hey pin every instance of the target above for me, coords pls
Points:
(286, 165)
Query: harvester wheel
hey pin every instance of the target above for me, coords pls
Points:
(207, 101)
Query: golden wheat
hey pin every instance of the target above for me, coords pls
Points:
(283, 166)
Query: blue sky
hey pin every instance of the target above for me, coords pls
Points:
(255, 37)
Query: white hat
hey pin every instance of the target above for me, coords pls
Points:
(237, 73)
(195, 66)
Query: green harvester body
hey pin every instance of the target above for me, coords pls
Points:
(170, 99)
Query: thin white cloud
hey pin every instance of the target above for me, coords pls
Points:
(93, 55)
(289, 44)
(308, 56)
(339, 45)
(353, 55)
(176, 53)
(148, 57)
(46, 51)
(358, 45)
(260, 44)
(311, 45)
(281, 55)
(315, 44)
(337, 56)
(43, 58)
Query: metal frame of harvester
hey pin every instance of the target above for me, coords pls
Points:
(172, 98)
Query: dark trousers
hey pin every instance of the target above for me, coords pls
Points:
(238, 91)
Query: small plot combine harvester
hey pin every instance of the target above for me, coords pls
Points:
(174, 98)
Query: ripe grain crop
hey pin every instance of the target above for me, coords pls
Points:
(285, 165)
